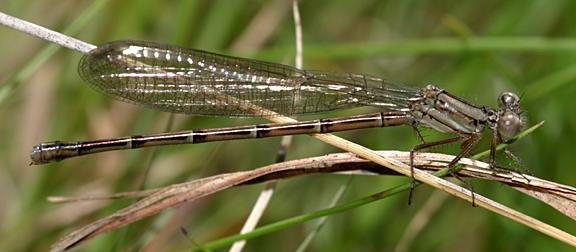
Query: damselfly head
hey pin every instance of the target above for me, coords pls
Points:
(509, 122)
(509, 101)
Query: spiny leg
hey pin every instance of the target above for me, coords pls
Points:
(425, 146)
(466, 147)
(418, 134)
(421, 141)
(517, 160)
(496, 139)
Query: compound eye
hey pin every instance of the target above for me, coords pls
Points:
(508, 100)
(509, 124)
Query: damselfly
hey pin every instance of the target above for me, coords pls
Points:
(182, 80)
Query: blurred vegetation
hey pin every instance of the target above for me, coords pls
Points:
(476, 49)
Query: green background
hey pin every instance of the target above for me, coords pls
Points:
(476, 49)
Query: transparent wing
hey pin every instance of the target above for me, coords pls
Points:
(182, 80)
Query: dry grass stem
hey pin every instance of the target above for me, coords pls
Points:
(175, 195)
